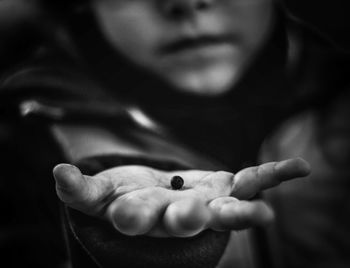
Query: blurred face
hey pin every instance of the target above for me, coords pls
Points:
(198, 46)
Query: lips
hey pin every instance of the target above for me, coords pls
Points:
(193, 43)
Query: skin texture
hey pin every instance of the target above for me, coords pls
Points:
(197, 46)
(138, 200)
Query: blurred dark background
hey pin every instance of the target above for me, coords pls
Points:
(330, 17)
(18, 33)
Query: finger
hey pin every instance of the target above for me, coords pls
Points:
(185, 218)
(248, 182)
(138, 212)
(78, 191)
(215, 207)
(232, 214)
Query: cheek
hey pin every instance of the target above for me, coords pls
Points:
(251, 19)
(131, 29)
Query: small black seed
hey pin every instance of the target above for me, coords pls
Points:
(177, 182)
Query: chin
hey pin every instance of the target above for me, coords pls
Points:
(211, 81)
(112, 249)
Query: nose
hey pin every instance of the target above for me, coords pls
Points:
(179, 9)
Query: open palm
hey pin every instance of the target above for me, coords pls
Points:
(139, 200)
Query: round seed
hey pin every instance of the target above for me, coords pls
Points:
(176, 182)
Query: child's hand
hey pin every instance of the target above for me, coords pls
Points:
(139, 200)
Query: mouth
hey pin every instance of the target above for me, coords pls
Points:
(196, 43)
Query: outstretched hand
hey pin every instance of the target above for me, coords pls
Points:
(139, 200)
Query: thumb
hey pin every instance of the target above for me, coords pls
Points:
(72, 186)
